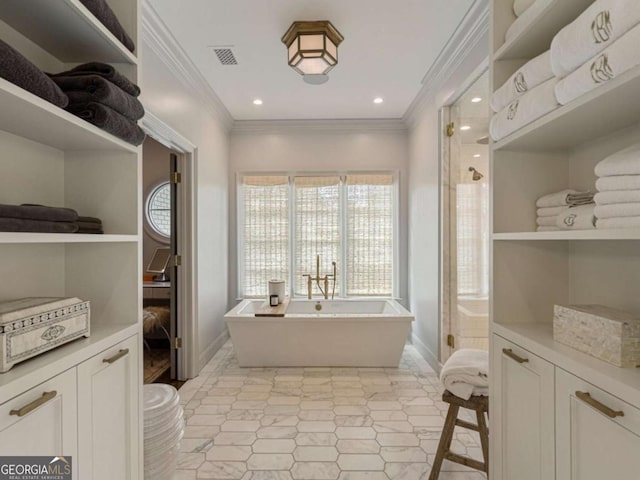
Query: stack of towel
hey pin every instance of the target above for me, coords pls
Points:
(618, 185)
(43, 219)
(565, 210)
(466, 373)
(91, 225)
(99, 94)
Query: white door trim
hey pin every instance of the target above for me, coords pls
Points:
(188, 355)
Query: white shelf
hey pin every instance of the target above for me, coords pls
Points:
(600, 112)
(618, 234)
(28, 237)
(66, 29)
(536, 38)
(38, 369)
(29, 116)
(537, 338)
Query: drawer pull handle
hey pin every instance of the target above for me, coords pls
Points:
(509, 353)
(46, 396)
(587, 398)
(117, 356)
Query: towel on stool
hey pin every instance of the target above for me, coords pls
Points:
(21, 72)
(101, 10)
(620, 57)
(521, 6)
(529, 76)
(624, 162)
(618, 210)
(577, 218)
(466, 373)
(109, 120)
(522, 111)
(619, 196)
(104, 70)
(618, 182)
(594, 30)
(618, 222)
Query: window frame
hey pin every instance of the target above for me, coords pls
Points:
(150, 229)
(341, 288)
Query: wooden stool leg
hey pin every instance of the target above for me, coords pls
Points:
(484, 438)
(445, 441)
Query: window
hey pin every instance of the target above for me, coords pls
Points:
(285, 221)
(473, 239)
(158, 211)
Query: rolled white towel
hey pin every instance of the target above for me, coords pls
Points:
(528, 17)
(617, 196)
(547, 221)
(618, 182)
(618, 210)
(548, 229)
(550, 211)
(624, 162)
(557, 199)
(577, 218)
(466, 373)
(521, 6)
(528, 108)
(530, 75)
(618, 58)
(618, 222)
(594, 30)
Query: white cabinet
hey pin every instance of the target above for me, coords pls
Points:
(598, 435)
(522, 445)
(42, 421)
(108, 393)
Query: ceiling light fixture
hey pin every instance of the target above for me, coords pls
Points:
(477, 155)
(257, 101)
(312, 49)
(476, 100)
(464, 128)
(378, 100)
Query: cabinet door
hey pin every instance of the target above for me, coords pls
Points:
(42, 421)
(522, 414)
(598, 435)
(108, 413)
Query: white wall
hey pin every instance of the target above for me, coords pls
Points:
(424, 206)
(296, 151)
(171, 101)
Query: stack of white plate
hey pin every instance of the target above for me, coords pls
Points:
(163, 431)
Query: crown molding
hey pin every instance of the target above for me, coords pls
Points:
(283, 127)
(159, 38)
(470, 31)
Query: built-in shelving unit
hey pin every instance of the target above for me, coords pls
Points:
(623, 234)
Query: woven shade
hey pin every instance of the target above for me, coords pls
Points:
(472, 234)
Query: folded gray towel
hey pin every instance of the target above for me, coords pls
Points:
(38, 212)
(93, 88)
(89, 227)
(109, 120)
(40, 226)
(103, 12)
(104, 70)
(21, 72)
(89, 220)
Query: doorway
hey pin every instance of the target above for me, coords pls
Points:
(465, 178)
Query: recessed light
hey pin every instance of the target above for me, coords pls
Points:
(378, 100)
(257, 101)
(477, 155)
(476, 100)
(465, 128)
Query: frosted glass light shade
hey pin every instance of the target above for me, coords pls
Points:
(312, 47)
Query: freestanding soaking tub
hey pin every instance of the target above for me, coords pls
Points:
(326, 333)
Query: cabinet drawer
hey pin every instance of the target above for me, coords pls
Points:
(598, 435)
(162, 293)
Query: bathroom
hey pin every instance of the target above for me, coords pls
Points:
(380, 238)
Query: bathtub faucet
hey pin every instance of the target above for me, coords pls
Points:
(324, 279)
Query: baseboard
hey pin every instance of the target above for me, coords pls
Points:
(212, 349)
(426, 353)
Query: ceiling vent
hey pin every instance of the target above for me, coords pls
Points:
(225, 55)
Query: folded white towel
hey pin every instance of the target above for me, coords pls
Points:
(529, 76)
(618, 58)
(594, 30)
(557, 199)
(547, 221)
(529, 16)
(618, 210)
(531, 106)
(466, 373)
(521, 6)
(618, 196)
(577, 218)
(624, 162)
(550, 211)
(548, 229)
(618, 182)
(618, 222)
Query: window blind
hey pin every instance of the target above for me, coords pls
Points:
(473, 239)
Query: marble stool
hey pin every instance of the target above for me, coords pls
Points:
(480, 405)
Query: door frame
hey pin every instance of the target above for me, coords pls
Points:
(187, 294)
